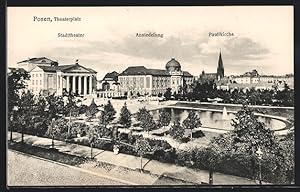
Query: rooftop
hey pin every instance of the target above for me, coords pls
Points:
(113, 75)
(37, 60)
(141, 70)
(64, 68)
(173, 63)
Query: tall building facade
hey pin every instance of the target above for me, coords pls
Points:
(139, 80)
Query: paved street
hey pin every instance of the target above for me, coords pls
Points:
(29, 171)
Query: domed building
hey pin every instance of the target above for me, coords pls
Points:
(178, 77)
(139, 80)
(173, 65)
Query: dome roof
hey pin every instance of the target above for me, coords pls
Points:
(173, 64)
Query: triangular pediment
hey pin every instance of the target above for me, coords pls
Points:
(77, 69)
(36, 69)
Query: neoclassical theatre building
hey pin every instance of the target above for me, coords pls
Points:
(48, 76)
(139, 80)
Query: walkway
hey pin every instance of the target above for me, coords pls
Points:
(133, 162)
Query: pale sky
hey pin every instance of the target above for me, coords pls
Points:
(263, 37)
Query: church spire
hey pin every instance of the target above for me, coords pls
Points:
(220, 63)
(220, 69)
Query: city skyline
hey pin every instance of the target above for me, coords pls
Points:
(112, 44)
(162, 68)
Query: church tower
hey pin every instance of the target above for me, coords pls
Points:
(220, 69)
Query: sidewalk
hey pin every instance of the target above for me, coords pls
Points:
(123, 161)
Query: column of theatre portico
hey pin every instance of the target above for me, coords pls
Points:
(75, 82)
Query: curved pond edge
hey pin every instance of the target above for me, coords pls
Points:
(237, 105)
(288, 124)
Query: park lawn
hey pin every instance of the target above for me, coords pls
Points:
(50, 154)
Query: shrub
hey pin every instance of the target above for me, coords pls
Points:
(137, 130)
(38, 129)
(233, 163)
(127, 150)
(158, 134)
(82, 141)
(161, 144)
(183, 158)
(198, 134)
(136, 125)
(123, 137)
(185, 139)
(104, 145)
(167, 156)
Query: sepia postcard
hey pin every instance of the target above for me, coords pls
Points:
(150, 96)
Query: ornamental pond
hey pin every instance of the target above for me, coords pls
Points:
(213, 119)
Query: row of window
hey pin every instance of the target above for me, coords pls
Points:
(253, 81)
(260, 79)
(141, 79)
(36, 75)
(157, 84)
(188, 80)
(125, 82)
(132, 87)
(134, 84)
(160, 78)
(131, 79)
(154, 84)
(178, 81)
(36, 82)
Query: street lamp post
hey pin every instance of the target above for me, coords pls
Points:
(69, 127)
(211, 176)
(52, 134)
(259, 155)
(11, 120)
